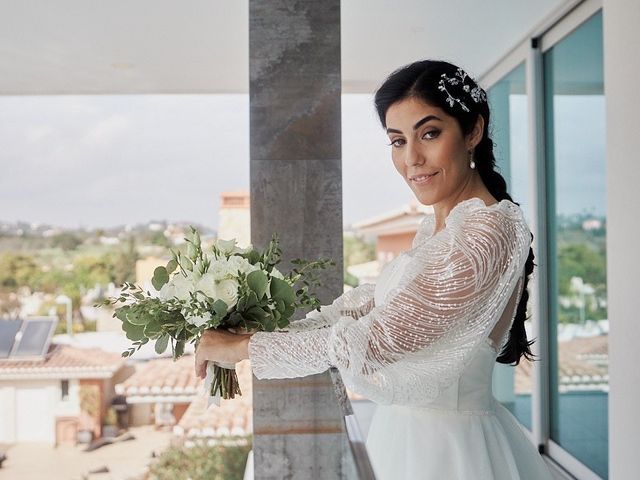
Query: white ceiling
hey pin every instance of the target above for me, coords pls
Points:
(201, 46)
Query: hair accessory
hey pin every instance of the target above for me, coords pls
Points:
(476, 93)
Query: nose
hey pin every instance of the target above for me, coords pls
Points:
(414, 155)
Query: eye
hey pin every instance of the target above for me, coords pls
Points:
(397, 142)
(431, 134)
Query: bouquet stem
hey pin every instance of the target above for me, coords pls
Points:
(225, 382)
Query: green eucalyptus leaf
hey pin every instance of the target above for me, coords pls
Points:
(269, 324)
(179, 349)
(282, 322)
(251, 325)
(152, 328)
(252, 300)
(160, 277)
(134, 332)
(121, 313)
(241, 306)
(220, 307)
(234, 319)
(161, 344)
(281, 290)
(135, 317)
(253, 257)
(172, 265)
(258, 282)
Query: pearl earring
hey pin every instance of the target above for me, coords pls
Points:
(472, 163)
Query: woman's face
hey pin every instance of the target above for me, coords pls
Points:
(429, 150)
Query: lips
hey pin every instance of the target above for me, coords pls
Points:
(422, 178)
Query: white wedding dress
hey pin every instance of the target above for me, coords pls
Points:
(422, 344)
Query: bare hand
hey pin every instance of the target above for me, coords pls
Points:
(220, 346)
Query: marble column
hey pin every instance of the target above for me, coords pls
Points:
(296, 192)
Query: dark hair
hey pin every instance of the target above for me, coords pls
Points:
(421, 80)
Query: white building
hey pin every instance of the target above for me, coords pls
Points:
(40, 391)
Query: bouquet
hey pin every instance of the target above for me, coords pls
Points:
(224, 287)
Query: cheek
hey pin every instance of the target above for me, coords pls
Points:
(448, 157)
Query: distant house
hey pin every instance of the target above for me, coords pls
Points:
(160, 390)
(235, 217)
(393, 232)
(42, 382)
(166, 393)
(232, 418)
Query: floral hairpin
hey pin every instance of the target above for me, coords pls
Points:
(476, 93)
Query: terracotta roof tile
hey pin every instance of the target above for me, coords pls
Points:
(63, 358)
(232, 417)
(162, 376)
(583, 364)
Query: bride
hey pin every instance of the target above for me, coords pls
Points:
(422, 342)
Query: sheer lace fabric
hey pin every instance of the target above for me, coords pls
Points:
(453, 294)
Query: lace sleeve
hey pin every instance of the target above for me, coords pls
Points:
(354, 303)
(418, 341)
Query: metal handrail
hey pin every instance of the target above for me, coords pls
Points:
(352, 428)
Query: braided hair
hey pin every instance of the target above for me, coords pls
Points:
(433, 82)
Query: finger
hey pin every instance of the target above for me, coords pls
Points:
(198, 366)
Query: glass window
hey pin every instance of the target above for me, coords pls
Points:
(509, 129)
(579, 324)
(64, 390)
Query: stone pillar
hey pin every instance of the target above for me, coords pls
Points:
(296, 192)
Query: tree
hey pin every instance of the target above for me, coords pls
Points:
(356, 250)
(580, 260)
(124, 263)
(66, 241)
(17, 270)
(9, 304)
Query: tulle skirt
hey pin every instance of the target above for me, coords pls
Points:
(421, 443)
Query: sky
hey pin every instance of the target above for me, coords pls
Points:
(98, 161)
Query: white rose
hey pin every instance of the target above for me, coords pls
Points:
(219, 269)
(227, 291)
(207, 285)
(236, 263)
(167, 292)
(200, 320)
(183, 287)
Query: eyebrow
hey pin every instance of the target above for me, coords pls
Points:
(418, 124)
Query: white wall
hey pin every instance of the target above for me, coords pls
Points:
(27, 410)
(71, 406)
(7, 413)
(622, 77)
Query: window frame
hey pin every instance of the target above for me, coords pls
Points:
(552, 30)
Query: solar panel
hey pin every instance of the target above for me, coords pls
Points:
(35, 338)
(8, 330)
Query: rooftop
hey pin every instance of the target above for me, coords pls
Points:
(63, 361)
